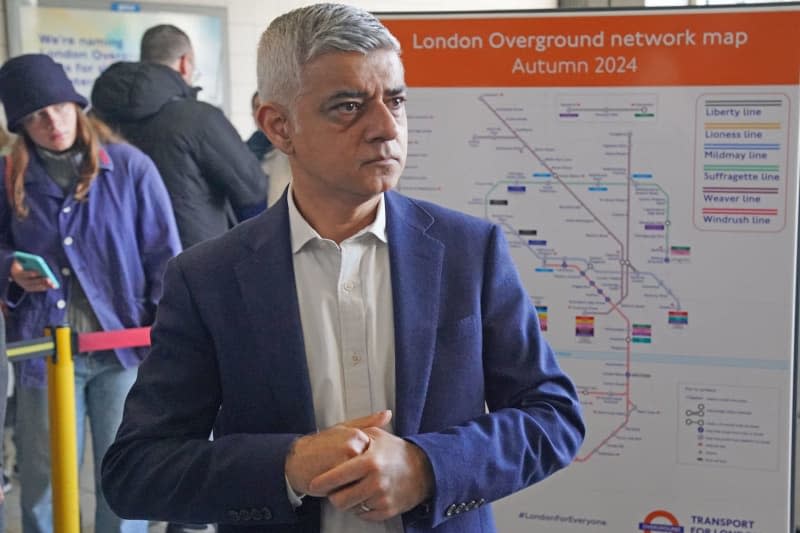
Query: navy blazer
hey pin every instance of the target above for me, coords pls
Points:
(477, 386)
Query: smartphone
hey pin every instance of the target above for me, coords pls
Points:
(37, 263)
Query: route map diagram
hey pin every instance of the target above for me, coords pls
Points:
(654, 230)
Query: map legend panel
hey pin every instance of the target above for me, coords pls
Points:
(740, 169)
(725, 426)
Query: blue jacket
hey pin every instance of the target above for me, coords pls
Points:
(228, 353)
(117, 243)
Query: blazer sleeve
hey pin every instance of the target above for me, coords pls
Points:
(533, 426)
(162, 465)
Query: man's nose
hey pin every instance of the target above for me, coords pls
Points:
(383, 123)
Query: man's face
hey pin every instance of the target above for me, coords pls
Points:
(348, 127)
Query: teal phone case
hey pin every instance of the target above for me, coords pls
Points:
(37, 263)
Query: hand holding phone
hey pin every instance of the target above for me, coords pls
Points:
(35, 275)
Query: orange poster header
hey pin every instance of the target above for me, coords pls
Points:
(735, 47)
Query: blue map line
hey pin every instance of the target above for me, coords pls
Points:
(681, 360)
(544, 257)
(712, 146)
(742, 146)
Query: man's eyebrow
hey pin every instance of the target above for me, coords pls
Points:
(340, 95)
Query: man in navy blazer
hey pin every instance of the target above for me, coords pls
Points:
(367, 362)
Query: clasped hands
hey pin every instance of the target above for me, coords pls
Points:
(362, 468)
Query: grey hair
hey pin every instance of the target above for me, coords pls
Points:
(298, 37)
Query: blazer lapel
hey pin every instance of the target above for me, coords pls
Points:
(266, 280)
(416, 263)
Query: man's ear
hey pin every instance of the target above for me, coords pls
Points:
(184, 66)
(273, 119)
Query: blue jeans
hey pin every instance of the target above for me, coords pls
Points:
(101, 385)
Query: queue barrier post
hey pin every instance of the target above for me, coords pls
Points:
(57, 347)
(63, 439)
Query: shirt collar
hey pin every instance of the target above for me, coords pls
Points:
(302, 232)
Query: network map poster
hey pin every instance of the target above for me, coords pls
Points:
(644, 168)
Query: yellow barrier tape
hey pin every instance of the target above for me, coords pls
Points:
(45, 347)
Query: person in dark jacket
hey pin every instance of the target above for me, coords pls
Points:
(273, 162)
(369, 362)
(258, 143)
(212, 178)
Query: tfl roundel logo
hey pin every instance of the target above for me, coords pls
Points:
(660, 521)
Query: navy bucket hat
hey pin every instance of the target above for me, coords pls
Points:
(31, 82)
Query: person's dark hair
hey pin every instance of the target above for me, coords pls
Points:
(164, 44)
(91, 133)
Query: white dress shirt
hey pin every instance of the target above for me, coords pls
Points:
(344, 293)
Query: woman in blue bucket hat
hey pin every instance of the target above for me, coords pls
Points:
(95, 209)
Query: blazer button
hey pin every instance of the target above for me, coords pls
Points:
(233, 516)
(256, 514)
(450, 510)
(244, 514)
(267, 513)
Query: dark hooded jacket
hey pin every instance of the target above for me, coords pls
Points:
(212, 177)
